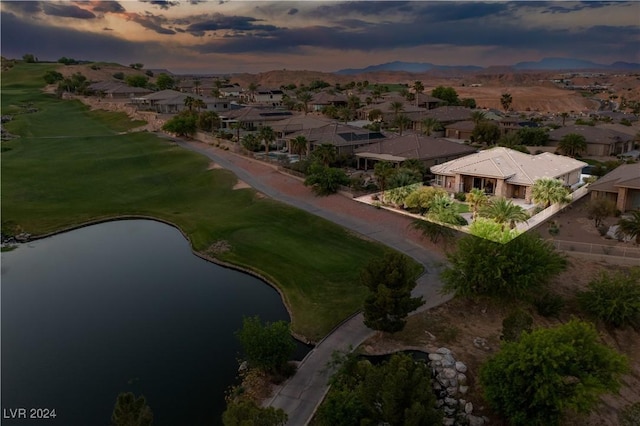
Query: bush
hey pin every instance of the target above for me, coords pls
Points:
(630, 415)
(550, 372)
(515, 324)
(460, 196)
(549, 304)
(614, 298)
(118, 75)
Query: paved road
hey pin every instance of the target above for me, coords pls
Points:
(300, 395)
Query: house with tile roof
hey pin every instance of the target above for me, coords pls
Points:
(601, 141)
(429, 150)
(621, 185)
(344, 137)
(504, 172)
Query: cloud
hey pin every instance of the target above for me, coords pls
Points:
(162, 4)
(66, 11)
(151, 22)
(108, 7)
(218, 22)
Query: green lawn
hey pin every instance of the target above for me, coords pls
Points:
(70, 166)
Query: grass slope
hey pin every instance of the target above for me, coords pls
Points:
(69, 166)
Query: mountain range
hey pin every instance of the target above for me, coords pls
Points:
(546, 64)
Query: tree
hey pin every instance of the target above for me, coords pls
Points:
(299, 145)
(375, 115)
(512, 141)
(29, 58)
(600, 208)
(418, 88)
(491, 230)
(248, 413)
(402, 121)
(442, 209)
(614, 298)
(253, 88)
(564, 116)
(390, 281)
(630, 226)
(250, 142)
(396, 107)
(325, 180)
(572, 144)
(547, 191)
(476, 199)
(416, 165)
(189, 102)
(131, 411)
(429, 125)
(395, 392)
(208, 121)
(478, 117)
(304, 97)
(504, 212)
(267, 346)
(137, 80)
(325, 153)
(383, 170)
(434, 231)
(165, 81)
(137, 66)
(447, 94)
(267, 135)
(505, 101)
(486, 132)
(514, 270)
(550, 372)
(51, 77)
(183, 124)
(198, 104)
(533, 136)
(422, 198)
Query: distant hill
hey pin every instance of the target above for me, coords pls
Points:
(412, 67)
(547, 64)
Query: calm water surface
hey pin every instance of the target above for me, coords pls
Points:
(122, 306)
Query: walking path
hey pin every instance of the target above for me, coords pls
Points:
(300, 395)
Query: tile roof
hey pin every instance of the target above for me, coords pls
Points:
(514, 166)
(593, 134)
(624, 176)
(404, 147)
(338, 134)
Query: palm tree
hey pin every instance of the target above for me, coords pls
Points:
(402, 122)
(429, 124)
(476, 199)
(383, 171)
(375, 115)
(478, 116)
(299, 144)
(305, 97)
(572, 144)
(326, 153)
(505, 101)
(503, 211)
(547, 191)
(397, 107)
(196, 86)
(189, 102)
(199, 103)
(630, 227)
(253, 87)
(564, 116)
(418, 88)
(236, 126)
(267, 135)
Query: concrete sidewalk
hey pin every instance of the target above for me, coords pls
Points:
(300, 395)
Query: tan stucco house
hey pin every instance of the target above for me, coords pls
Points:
(504, 172)
(621, 185)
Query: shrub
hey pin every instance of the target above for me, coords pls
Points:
(118, 75)
(549, 304)
(460, 196)
(630, 415)
(614, 298)
(516, 323)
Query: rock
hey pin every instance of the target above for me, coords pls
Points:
(475, 420)
(468, 407)
(461, 367)
(443, 351)
(449, 411)
(451, 402)
(461, 378)
(448, 421)
(449, 373)
(453, 382)
(435, 357)
(452, 390)
(463, 389)
(444, 382)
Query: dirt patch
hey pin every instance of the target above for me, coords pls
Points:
(213, 166)
(241, 185)
(219, 247)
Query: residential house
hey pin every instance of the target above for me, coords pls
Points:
(388, 114)
(504, 172)
(322, 100)
(171, 102)
(117, 90)
(600, 141)
(461, 130)
(252, 118)
(621, 185)
(344, 137)
(429, 150)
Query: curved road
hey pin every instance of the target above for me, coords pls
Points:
(300, 395)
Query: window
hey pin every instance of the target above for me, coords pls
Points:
(439, 180)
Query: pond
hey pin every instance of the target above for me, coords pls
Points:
(123, 306)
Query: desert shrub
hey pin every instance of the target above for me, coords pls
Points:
(549, 304)
(516, 323)
(118, 75)
(614, 298)
(630, 415)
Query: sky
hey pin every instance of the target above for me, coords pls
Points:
(217, 37)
